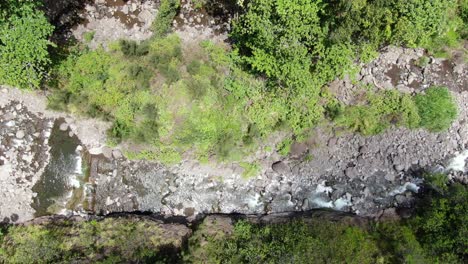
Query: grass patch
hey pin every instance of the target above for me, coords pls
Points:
(436, 108)
(250, 170)
(89, 36)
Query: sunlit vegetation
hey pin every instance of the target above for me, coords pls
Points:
(24, 33)
(106, 241)
(434, 110)
(171, 100)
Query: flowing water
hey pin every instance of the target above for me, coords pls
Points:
(60, 188)
(458, 163)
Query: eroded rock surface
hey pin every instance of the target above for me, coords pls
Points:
(111, 20)
(24, 153)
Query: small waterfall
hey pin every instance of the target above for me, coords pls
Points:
(408, 186)
(79, 161)
(60, 188)
(458, 162)
(320, 198)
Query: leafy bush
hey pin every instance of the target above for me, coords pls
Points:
(380, 111)
(294, 242)
(399, 244)
(441, 224)
(106, 241)
(421, 23)
(24, 33)
(166, 13)
(436, 108)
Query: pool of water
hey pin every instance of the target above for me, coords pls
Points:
(60, 188)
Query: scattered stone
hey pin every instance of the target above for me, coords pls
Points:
(117, 154)
(14, 217)
(95, 151)
(20, 134)
(352, 172)
(107, 152)
(63, 127)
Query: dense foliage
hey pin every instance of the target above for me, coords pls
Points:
(295, 242)
(441, 224)
(301, 45)
(169, 98)
(106, 241)
(24, 33)
(175, 98)
(437, 234)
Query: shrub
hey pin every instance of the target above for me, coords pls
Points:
(166, 13)
(436, 108)
(24, 33)
(107, 241)
(421, 23)
(380, 111)
(285, 146)
(131, 48)
(293, 242)
(89, 36)
(441, 224)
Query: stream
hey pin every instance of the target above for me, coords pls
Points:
(60, 189)
(70, 180)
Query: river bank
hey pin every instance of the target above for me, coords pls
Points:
(348, 172)
(333, 169)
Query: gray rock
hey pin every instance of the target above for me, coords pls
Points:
(117, 154)
(63, 127)
(281, 167)
(95, 151)
(351, 172)
(20, 134)
(107, 152)
(400, 199)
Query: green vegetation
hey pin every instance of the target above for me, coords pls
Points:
(441, 224)
(89, 36)
(285, 146)
(250, 170)
(106, 241)
(437, 234)
(435, 110)
(295, 242)
(24, 33)
(166, 13)
(170, 99)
